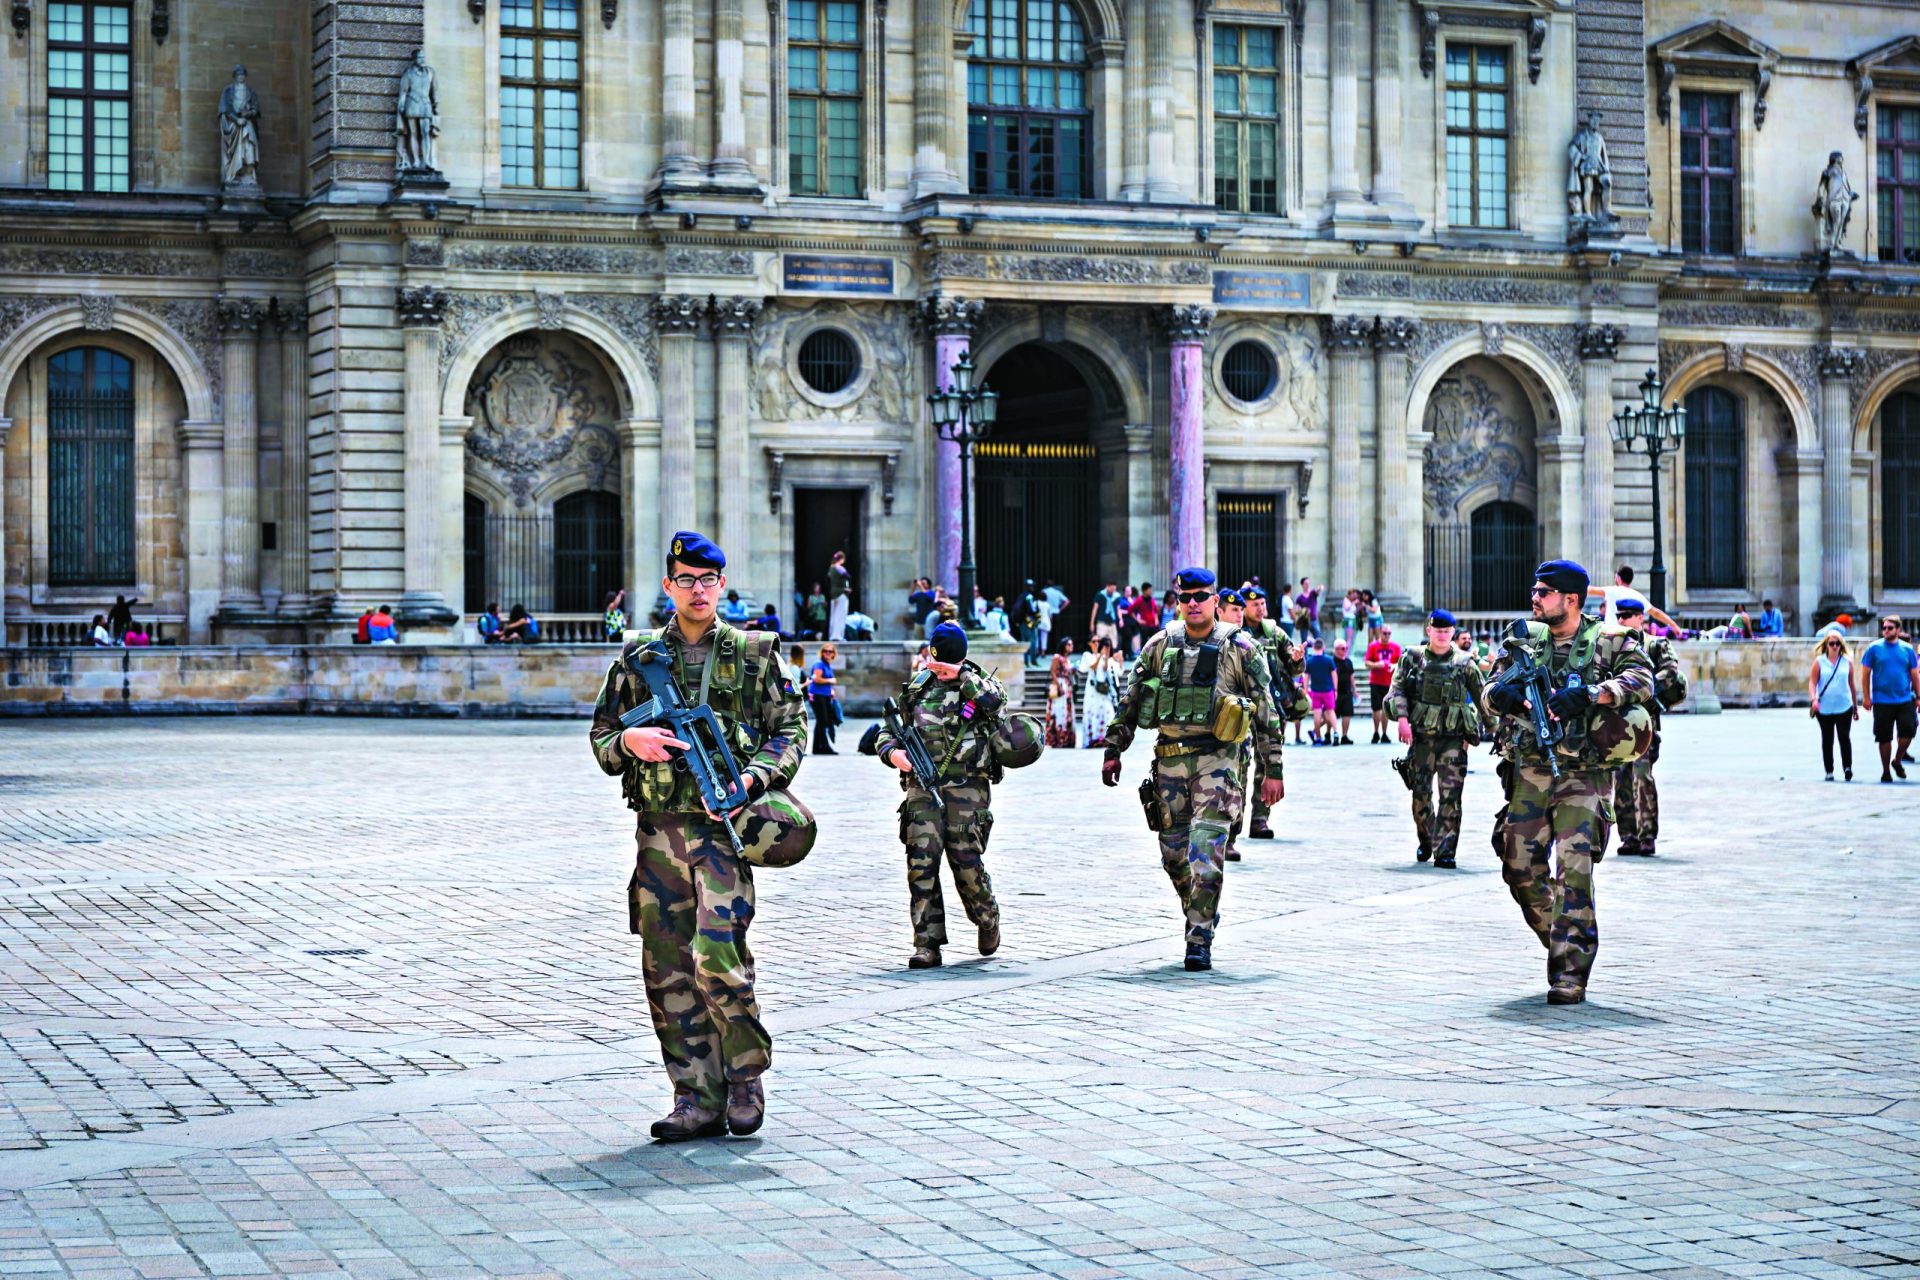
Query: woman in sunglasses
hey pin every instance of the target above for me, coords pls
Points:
(1832, 701)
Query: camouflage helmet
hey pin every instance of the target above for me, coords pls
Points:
(1018, 740)
(776, 830)
(1620, 735)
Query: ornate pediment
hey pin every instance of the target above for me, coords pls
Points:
(1719, 50)
(1529, 16)
(1896, 62)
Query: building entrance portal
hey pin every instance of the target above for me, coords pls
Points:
(1036, 487)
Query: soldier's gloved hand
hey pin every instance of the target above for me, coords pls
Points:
(1110, 771)
(1508, 699)
(1570, 704)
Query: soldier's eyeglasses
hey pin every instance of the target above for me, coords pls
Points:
(687, 582)
(1193, 597)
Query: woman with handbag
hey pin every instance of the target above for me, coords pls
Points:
(823, 695)
(1833, 701)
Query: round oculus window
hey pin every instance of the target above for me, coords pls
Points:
(1248, 372)
(829, 361)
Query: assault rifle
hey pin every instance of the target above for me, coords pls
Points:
(1531, 679)
(707, 757)
(908, 736)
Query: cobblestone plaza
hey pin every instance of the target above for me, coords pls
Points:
(288, 997)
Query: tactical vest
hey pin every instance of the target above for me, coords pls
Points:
(1442, 701)
(1604, 736)
(729, 683)
(960, 748)
(1168, 702)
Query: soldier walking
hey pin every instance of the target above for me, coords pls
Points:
(953, 704)
(691, 896)
(1290, 700)
(1435, 696)
(1233, 613)
(1599, 680)
(1205, 687)
(1636, 800)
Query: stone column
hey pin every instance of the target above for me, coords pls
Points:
(951, 321)
(453, 512)
(733, 320)
(1162, 177)
(729, 167)
(239, 320)
(640, 470)
(1563, 512)
(1598, 345)
(1837, 365)
(676, 319)
(677, 160)
(290, 317)
(6, 425)
(421, 308)
(201, 445)
(1350, 340)
(1393, 514)
(1343, 111)
(1142, 504)
(1386, 102)
(1187, 328)
(932, 98)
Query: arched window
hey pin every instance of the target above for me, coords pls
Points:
(1716, 449)
(90, 468)
(1900, 489)
(586, 550)
(1505, 550)
(1029, 129)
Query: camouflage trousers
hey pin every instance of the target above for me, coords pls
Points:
(1567, 819)
(1442, 761)
(960, 834)
(691, 901)
(1250, 770)
(1636, 801)
(1203, 791)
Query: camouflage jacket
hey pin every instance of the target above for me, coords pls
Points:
(1616, 663)
(1461, 718)
(1669, 681)
(752, 692)
(955, 720)
(1286, 667)
(1242, 672)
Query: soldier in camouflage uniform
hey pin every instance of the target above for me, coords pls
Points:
(691, 897)
(1290, 700)
(1636, 800)
(954, 704)
(1435, 696)
(1233, 613)
(1204, 686)
(1597, 676)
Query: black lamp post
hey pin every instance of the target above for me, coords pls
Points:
(964, 414)
(1657, 431)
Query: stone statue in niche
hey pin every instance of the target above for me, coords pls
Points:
(416, 120)
(1833, 201)
(239, 136)
(1589, 175)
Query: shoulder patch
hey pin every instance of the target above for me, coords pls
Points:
(1241, 640)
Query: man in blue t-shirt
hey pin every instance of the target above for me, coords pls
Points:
(1323, 675)
(1890, 677)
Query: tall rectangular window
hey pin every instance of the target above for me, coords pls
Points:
(1709, 172)
(89, 467)
(823, 97)
(89, 97)
(1896, 155)
(1029, 116)
(1477, 134)
(1246, 119)
(540, 93)
(1715, 459)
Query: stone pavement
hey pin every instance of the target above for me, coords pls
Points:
(284, 997)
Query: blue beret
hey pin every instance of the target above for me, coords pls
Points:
(1194, 579)
(1231, 595)
(1254, 593)
(1563, 575)
(949, 642)
(1441, 618)
(1629, 605)
(695, 551)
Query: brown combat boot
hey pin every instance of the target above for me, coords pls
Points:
(1259, 831)
(989, 937)
(1566, 995)
(689, 1120)
(924, 958)
(746, 1106)
(1233, 854)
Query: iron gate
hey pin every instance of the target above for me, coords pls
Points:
(1483, 564)
(516, 562)
(1037, 518)
(587, 559)
(90, 467)
(1249, 532)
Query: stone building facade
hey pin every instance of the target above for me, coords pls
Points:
(1295, 286)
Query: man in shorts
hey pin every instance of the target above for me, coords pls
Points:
(1889, 667)
(1382, 656)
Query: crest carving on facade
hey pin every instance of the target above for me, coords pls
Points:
(1475, 443)
(534, 407)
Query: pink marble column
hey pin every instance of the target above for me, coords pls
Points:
(951, 321)
(1186, 488)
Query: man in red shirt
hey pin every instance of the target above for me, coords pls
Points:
(1146, 615)
(1382, 655)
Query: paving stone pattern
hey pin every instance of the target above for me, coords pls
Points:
(1369, 1084)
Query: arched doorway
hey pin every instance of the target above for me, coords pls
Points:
(1036, 485)
(587, 560)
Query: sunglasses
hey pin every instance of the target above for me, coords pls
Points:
(1539, 593)
(1193, 597)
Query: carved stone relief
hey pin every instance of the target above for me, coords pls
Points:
(1067, 269)
(542, 407)
(96, 312)
(1737, 315)
(1482, 435)
(104, 262)
(1404, 286)
(464, 313)
(631, 316)
(264, 264)
(579, 258)
(883, 333)
(709, 262)
(196, 321)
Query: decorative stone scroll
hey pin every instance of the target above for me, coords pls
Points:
(422, 306)
(96, 312)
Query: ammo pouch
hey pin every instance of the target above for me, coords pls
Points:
(1232, 718)
(1159, 816)
(1167, 701)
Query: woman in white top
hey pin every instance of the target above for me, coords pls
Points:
(1833, 699)
(1098, 703)
(101, 637)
